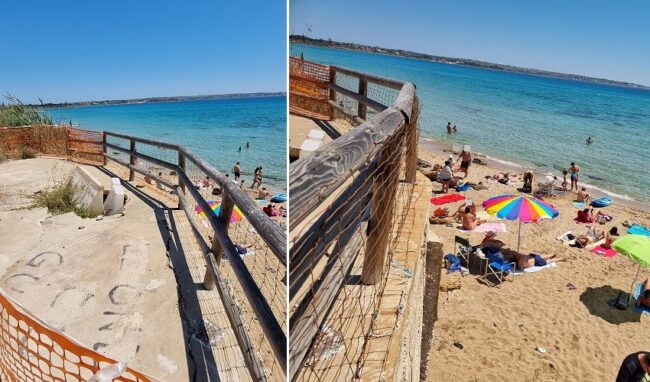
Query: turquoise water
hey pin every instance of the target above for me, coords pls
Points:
(533, 121)
(213, 129)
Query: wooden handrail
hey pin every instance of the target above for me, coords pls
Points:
(387, 82)
(270, 232)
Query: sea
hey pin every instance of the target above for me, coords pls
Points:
(536, 122)
(213, 129)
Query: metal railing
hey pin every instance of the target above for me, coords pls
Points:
(344, 199)
(179, 169)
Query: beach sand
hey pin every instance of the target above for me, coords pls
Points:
(500, 329)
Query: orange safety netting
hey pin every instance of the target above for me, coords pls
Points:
(309, 89)
(31, 350)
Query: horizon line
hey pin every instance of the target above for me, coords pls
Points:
(431, 57)
(164, 98)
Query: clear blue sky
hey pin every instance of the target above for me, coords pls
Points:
(69, 50)
(608, 39)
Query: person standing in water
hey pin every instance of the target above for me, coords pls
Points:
(239, 148)
(454, 129)
(573, 175)
(589, 141)
(237, 170)
(448, 127)
(248, 145)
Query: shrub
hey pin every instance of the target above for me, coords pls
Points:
(15, 113)
(60, 199)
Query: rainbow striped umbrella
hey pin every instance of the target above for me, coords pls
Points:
(523, 207)
(236, 216)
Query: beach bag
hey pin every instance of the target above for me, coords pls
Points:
(452, 263)
(621, 301)
(463, 187)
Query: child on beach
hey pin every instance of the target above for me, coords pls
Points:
(564, 182)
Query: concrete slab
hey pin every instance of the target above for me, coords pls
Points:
(104, 282)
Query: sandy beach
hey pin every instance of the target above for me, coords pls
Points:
(497, 331)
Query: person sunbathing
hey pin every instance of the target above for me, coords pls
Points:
(469, 219)
(591, 236)
(490, 241)
(535, 260)
(610, 236)
(583, 196)
(644, 297)
(270, 210)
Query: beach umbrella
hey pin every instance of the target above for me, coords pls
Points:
(523, 207)
(236, 215)
(637, 248)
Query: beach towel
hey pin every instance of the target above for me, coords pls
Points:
(534, 269)
(483, 215)
(636, 229)
(639, 309)
(463, 187)
(607, 252)
(447, 199)
(564, 238)
(485, 227)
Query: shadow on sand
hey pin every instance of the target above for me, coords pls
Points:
(596, 300)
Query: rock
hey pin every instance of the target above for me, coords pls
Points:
(81, 227)
(100, 217)
(458, 345)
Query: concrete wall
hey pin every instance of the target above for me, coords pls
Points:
(89, 193)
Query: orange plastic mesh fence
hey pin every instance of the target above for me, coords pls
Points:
(30, 350)
(308, 89)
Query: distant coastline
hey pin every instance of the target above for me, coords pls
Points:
(163, 99)
(300, 39)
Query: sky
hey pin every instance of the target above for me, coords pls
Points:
(604, 39)
(69, 50)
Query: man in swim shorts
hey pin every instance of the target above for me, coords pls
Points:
(465, 159)
(573, 171)
(534, 260)
(237, 170)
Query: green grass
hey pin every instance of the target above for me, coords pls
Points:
(15, 113)
(60, 199)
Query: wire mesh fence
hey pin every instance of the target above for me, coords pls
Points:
(348, 204)
(308, 89)
(175, 172)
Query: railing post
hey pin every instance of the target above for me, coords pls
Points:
(383, 205)
(181, 165)
(332, 91)
(363, 90)
(132, 161)
(225, 212)
(104, 149)
(412, 143)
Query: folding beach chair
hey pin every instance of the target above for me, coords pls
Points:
(463, 249)
(500, 269)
